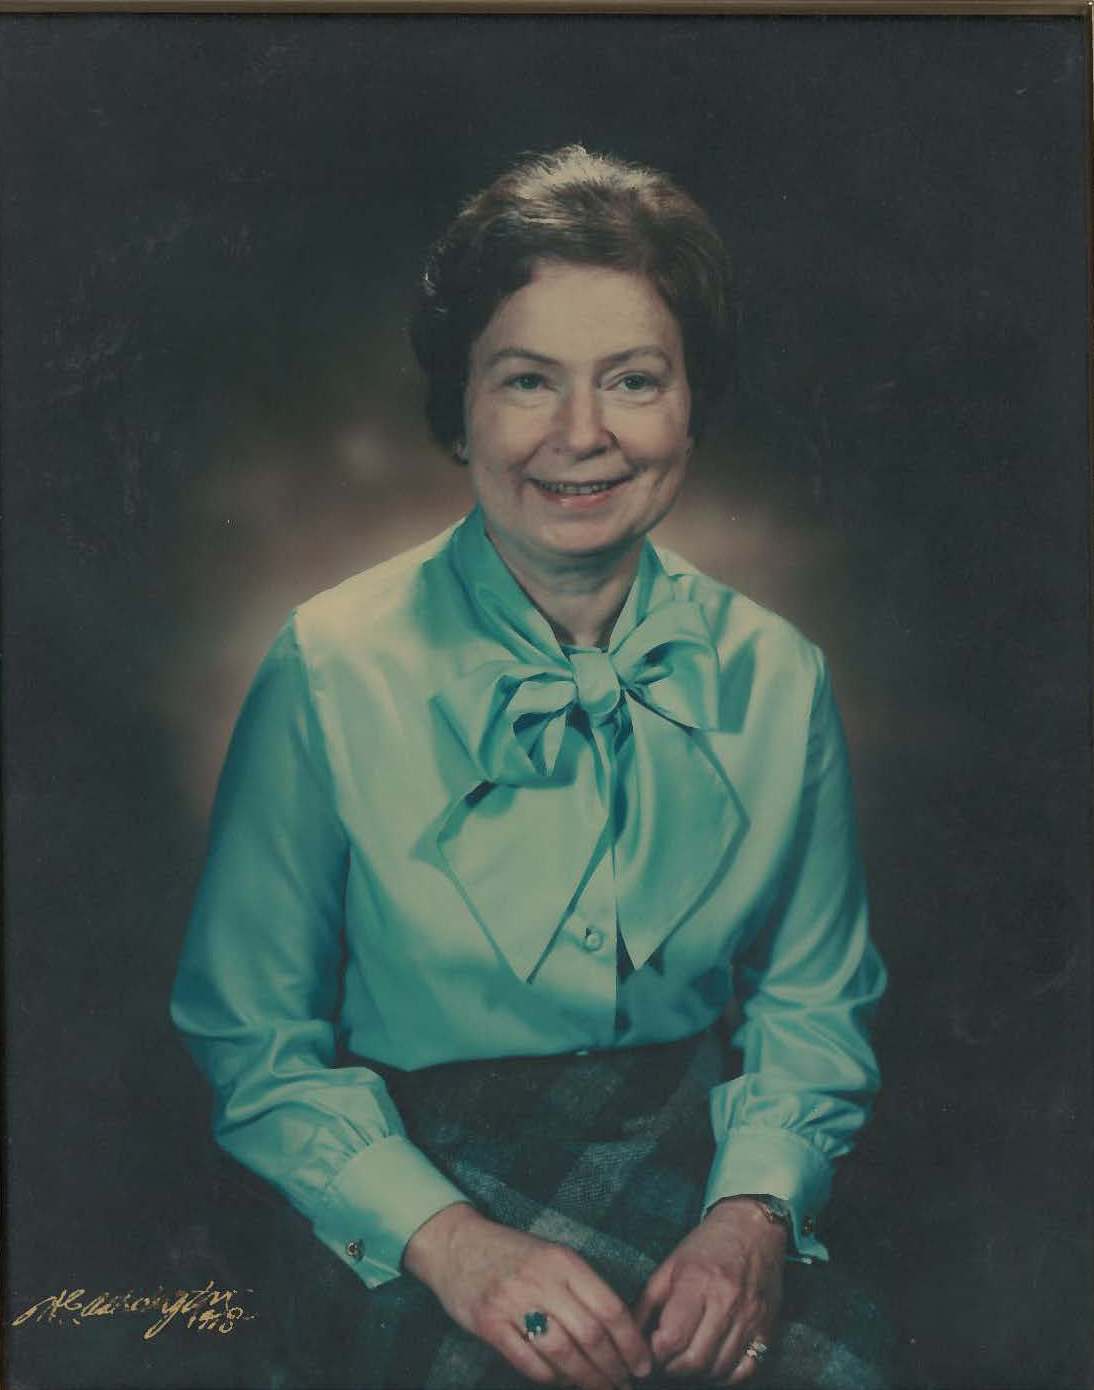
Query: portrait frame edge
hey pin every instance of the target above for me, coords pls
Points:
(938, 10)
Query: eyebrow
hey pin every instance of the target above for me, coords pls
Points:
(613, 360)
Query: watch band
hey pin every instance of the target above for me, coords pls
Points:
(775, 1209)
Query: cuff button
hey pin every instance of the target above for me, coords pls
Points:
(355, 1249)
(808, 1226)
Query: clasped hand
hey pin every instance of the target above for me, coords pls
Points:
(718, 1291)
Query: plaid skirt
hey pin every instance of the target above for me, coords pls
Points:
(607, 1153)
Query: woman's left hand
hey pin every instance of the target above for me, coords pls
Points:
(717, 1292)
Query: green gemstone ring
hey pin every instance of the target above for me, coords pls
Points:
(535, 1325)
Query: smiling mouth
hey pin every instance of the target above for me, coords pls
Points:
(578, 489)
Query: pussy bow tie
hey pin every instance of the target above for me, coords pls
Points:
(555, 792)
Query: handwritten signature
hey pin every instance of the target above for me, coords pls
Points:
(206, 1310)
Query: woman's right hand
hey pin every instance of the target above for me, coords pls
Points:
(488, 1276)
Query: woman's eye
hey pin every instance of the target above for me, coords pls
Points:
(634, 382)
(526, 381)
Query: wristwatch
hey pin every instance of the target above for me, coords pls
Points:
(774, 1208)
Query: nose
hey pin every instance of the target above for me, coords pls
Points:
(579, 427)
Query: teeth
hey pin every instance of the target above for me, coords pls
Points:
(577, 489)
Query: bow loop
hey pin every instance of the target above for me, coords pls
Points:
(506, 715)
(669, 663)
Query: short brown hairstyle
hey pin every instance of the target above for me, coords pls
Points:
(589, 209)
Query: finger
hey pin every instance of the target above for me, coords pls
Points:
(555, 1347)
(619, 1322)
(590, 1336)
(738, 1366)
(563, 1354)
(522, 1356)
(727, 1360)
(750, 1318)
(680, 1316)
(701, 1352)
(653, 1297)
(747, 1367)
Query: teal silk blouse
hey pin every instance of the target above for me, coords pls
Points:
(440, 835)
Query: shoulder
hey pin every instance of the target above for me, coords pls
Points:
(743, 630)
(387, 605)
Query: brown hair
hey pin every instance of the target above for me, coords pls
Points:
(588, 209)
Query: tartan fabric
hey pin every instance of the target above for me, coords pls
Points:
(606, 1153)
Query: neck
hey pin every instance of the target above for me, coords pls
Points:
(581, 595)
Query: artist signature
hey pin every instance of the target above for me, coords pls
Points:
(206, 1310)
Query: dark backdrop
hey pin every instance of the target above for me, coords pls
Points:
(212, 227)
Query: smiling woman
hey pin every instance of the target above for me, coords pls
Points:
(578, 434)
(510, 827)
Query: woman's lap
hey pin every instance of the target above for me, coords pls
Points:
(621, 1202)
(318, 1328)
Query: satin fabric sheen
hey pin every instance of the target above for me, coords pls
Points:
(439, 835)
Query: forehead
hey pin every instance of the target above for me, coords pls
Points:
(577, 313)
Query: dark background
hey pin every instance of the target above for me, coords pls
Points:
(212, 229)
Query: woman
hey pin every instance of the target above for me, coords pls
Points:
(510, 822)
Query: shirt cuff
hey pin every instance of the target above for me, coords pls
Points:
(377, 1202)
(777, 1163)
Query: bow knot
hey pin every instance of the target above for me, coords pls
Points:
(598, 690)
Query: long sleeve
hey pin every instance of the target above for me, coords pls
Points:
(807, 988)
(259, 983)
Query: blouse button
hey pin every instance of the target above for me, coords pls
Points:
(808, 1226)
(355, 1249)
(593, 939)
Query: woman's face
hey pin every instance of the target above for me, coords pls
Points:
(576, 409)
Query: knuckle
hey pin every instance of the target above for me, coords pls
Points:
(721, 1296)
(613, 1310)
(483, 1322)
(592, 1334)
(670, 1346)
(567, 1358)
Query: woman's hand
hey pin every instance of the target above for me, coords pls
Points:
(718, 1291)
(488, 1276)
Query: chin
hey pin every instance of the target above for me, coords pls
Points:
(590, 540)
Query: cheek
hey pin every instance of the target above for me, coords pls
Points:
(502, 436)
(663, 440)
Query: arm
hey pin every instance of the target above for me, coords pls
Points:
(807, 987)
(257, 998)
(257, 990)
